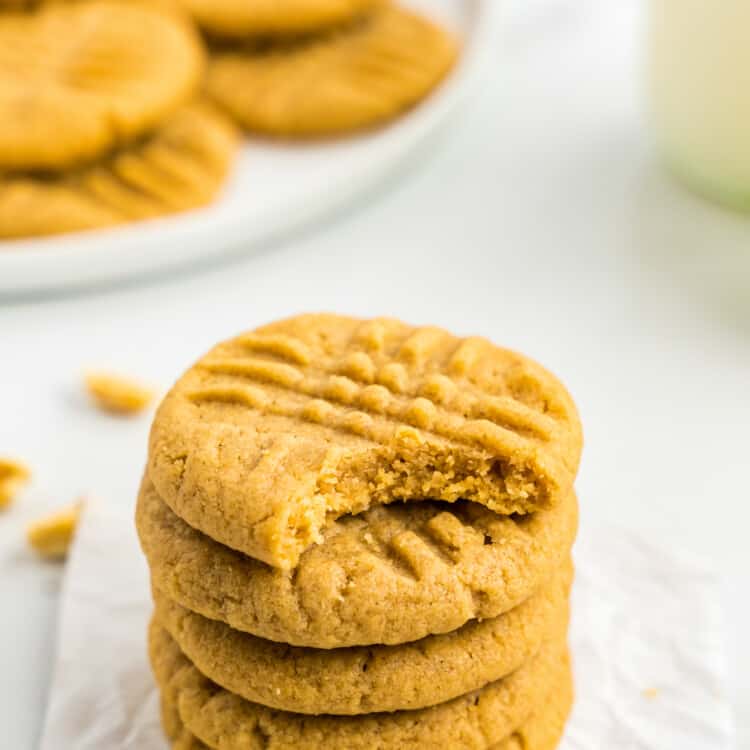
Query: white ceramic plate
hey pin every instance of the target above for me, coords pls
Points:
(274, 190)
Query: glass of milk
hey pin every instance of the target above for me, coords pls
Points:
(699, 93)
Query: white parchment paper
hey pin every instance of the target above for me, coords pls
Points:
(647, 641)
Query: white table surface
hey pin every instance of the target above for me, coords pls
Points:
(540, 219)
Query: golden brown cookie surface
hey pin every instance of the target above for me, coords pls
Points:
(393, 574)
(478, 720)
(183, 165)
(543, 730)
(174, 729)
(276, 433)
(79, 79)
(344, 81)
(170, 719)
(366, 680)
(240, 18)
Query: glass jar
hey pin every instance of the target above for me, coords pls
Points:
(699, 93)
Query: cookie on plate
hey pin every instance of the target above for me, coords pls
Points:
(181, 166)
(274, 434)
(270, 18)
(390, 575)
(81, 79)
(368, 679)
(479, 719)
(346, 80)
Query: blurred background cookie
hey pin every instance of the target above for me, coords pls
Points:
(240, 18)
(352, 78)
(182, 165)
(78, 80)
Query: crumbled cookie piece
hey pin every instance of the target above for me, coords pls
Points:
(51, 536)
(117, 394)
(13, 474)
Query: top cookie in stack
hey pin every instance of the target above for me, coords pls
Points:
(392, 504)
(277, 433)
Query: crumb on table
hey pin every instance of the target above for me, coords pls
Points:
(13, 474)
(118, 394)
(52, 535)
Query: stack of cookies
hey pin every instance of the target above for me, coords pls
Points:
(359, 536)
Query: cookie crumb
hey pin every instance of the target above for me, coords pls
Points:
(117, 394)
(651, 693)
(13, 474)
(51, 536)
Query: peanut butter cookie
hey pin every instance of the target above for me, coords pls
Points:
(478, 720)
(365, 680)
(79, 79)
(393, 574)
(276, 433)
(170, 719)
(349, 79)
(268, 18)
(543, 730)
(181, 166)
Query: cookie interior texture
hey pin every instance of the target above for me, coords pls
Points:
(353, 78)
(80, 79)
(273, 435)
(477, 720)
(394, 574)
(270, 18)
(368, 679)
(181, 166)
